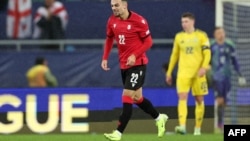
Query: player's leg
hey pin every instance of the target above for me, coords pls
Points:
(127, 101)
(218, 91)
(146, 105)
(227, 85)
(136, 81)
(199, 89)
(221, 88)
(183, 87)
(220, 112)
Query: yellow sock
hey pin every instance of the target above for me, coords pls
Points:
(182, 112)
(199, 114)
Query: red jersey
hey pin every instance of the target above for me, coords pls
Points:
(129, 35)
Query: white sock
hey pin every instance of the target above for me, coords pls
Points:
(158, 118)
(183, 127)
(197, 129)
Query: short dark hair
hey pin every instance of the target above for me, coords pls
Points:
(39, 60)
(188, 15)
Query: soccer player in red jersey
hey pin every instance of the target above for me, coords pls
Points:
(131, 33)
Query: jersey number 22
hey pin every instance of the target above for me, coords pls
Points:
(121, 39)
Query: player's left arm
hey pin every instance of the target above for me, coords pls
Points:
(50, 79)
(206, 52)
(233, 55)
(145, 36)
(234, 59)
(147, 43)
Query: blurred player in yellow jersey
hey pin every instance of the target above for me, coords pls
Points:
(191, 51)
(40, 75)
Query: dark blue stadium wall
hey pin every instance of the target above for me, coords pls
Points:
(77, 69)
(87, 18)
(87, 21)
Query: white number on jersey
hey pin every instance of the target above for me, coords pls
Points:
(121, 39)
(134, 78)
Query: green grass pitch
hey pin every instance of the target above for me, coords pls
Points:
(100, 137)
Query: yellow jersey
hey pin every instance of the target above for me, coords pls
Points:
(192, 52)
(36, 76)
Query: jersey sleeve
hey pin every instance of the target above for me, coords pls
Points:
(50, 79)
(233, 55)
(205, 44)
(174, 57)
(144, 34)
(143, 28)
(109, 31)
(109, 40)
(205, 40)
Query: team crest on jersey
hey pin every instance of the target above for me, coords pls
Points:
(129, 27)
(195, 40)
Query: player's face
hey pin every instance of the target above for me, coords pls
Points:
(187, 23)
(49, 2)
(118, 7)
(219, 34)
(45, 63)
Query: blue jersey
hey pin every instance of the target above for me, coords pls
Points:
(223, 57)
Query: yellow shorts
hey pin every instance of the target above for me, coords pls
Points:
(197, 84)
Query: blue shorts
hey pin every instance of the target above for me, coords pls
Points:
(222, 88)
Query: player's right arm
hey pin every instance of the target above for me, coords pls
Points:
(108, 46)
(173, 59)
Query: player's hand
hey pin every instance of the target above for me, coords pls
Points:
(104, 65)
(131, 60)
(242, 81)
(169, 80)
(202, 72)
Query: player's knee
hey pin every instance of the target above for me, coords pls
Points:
(127, 99)
(183, 96)
(138, 100)
(199, 100)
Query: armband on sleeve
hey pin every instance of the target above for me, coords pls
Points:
(206, 56)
